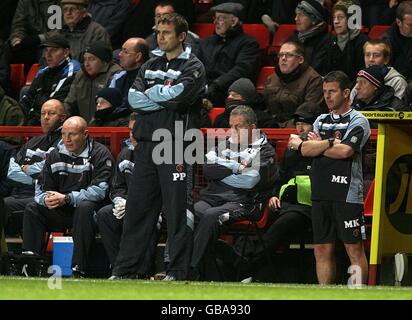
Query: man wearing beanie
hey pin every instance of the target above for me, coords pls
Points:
(96, 72)
(107, 100)
(243, 92)
(293, 83)
(372, 93)
(312, 31)
(53, 81)
(229, 53)
(78, 27)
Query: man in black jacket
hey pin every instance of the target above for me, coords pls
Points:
(229, 54)
(53, 81)
(26, 166)
(312, 31)
(166, 95)
(110, 217)
(240, 172)
(73, 184)
(132, 55)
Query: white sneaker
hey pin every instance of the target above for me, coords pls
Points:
(401, 267)
(247, 280)
(28, 253)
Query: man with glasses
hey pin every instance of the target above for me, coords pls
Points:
(79, 29)
(294, 83)
(378, 52)
(162, 8)
(229, 54)
(132, 55)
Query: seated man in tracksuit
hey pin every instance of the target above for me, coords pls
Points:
(73, 185)
(110, 217)
(26, 166)
(236, 177)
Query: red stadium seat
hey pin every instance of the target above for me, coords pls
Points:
(377, 31)
(368, 204)
(281, 146)
(214, 112)
(32, 74)
(284, 32)
(204, 30)
(264, 73)
(260, 32)
(17, 77)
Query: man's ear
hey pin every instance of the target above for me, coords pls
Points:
(235, 21)
(346, 93)
(182, 37)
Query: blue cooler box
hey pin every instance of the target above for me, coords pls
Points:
(62, 254)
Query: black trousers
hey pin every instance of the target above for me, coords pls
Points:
(38, 220)
(110, 229)
(13, 213)
(153, 185)
(207, 230)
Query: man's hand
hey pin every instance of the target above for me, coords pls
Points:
(25, 168)
(294, 142)
(314, 136)
(119, 208)
(393, 3)
(274, 203)
(15, 41)
(54, 200)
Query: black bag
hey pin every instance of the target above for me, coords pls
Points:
(13, 264)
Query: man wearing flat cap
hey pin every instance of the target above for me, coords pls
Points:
(229, 54)
(312, 31)
(372, 93)
(78, 27)
(96, 72)
(53, 81)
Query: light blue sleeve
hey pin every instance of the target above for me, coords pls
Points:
(212, 157)
(247, 180)
(15, 173)
(162, 93)
(92, 193)
(138, 100)
(36, 168)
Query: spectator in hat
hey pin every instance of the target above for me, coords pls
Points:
(162, 8)
(346, 49)
(52, 81)
(243, 92)
(293, 83)
(79, 29)
(107, 100)
(372, 93)
(96, 72)
(229, 53)
(312, 31)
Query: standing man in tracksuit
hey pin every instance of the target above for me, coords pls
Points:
(166, 94)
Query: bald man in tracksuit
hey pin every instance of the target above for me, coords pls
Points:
(74, 182)
(166, 94)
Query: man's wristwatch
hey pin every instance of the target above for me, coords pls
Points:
(67, 199)
(331, 140)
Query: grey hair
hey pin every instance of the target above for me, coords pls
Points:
(247, 112)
